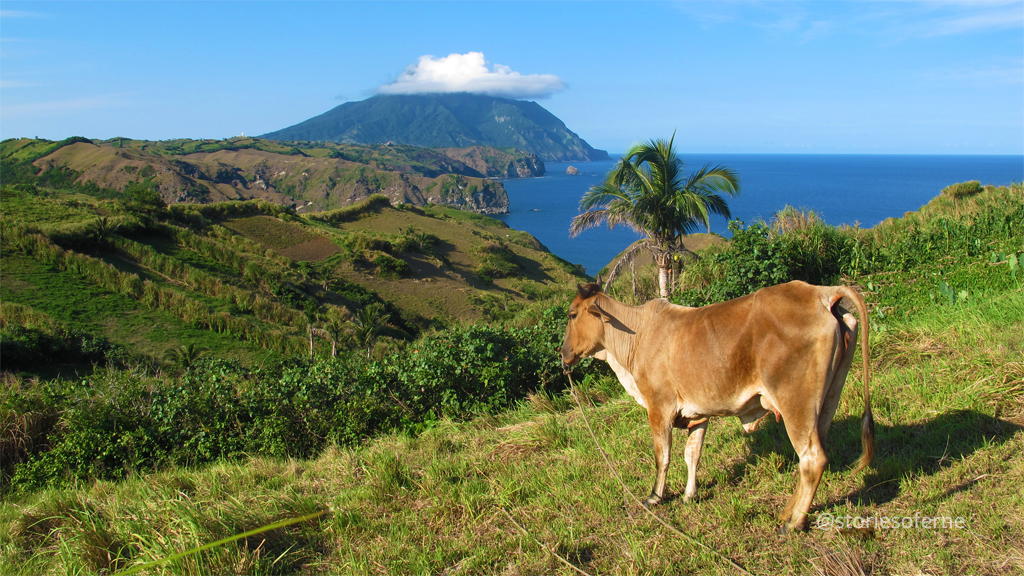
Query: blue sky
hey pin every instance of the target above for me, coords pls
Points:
(729, 77)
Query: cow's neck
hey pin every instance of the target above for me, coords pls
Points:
(622, 328)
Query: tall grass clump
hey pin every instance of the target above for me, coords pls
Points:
(794, 245)
(371, 205)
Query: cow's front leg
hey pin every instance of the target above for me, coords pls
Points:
(661, 431)
(694, 445)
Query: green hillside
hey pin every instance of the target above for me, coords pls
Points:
(446, 121)
(309, 176)
(244, 279)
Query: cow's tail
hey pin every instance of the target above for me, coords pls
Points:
(867, 422)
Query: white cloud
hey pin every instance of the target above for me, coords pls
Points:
(18, 84)
(470, 73)
(19, 14)
(63, 107)
(983, 19)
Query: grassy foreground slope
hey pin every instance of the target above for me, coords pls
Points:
(945, 287)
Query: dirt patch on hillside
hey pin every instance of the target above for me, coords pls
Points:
(316, 250)
(287, 239)
(270, 231)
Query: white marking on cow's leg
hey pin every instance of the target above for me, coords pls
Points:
(694, 444)
(661, 431)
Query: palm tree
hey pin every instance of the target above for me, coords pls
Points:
(339, 333)
(186, 355)
(647, 191)
(370, 321)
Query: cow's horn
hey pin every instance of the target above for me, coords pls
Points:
(584, 293)
(599, 282)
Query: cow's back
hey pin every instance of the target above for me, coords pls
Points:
(717, 355)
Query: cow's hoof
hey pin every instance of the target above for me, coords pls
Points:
(790, 528)
(652, 500)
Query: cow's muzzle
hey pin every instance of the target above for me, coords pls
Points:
(566, 366)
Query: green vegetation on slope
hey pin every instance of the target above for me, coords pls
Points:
(256, 272)
(948, 393)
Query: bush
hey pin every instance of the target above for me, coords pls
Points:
(118, 421)
(497, 262)
(758, 257)
(962, 189)
(391, 268)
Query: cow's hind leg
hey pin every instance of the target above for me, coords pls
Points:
(694, 444)
(803, 433)
(661, 431)
(842, 359)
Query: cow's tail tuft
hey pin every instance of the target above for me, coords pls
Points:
(867, 422)
(867, 439)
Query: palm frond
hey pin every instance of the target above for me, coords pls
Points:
(586, 221)
(598, 196)
(627, 257)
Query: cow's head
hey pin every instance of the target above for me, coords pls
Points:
(585, 332)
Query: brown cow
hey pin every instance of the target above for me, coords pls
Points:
(785, 350)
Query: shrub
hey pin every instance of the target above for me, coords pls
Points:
(962, 189)
(391, 268)
(759, 256)
(371, 205)
(118, 421)
(497, 262)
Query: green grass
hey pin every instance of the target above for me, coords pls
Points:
(947, 394)
(269, 231)
(64, 209)
(68, 298)
(948, 397)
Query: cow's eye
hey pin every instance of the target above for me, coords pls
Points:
(572, 315)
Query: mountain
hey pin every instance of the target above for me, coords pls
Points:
(446, 121)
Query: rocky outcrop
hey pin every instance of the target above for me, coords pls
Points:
(495, 163)
(572, 171)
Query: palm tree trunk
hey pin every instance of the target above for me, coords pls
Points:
(663, 258)
(632, 273)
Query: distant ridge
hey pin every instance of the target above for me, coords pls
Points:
(446, 121)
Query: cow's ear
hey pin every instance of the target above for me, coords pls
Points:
(596, 310)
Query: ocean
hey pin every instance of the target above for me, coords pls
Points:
(842, 189)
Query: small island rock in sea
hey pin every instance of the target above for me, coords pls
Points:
(572, 171)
